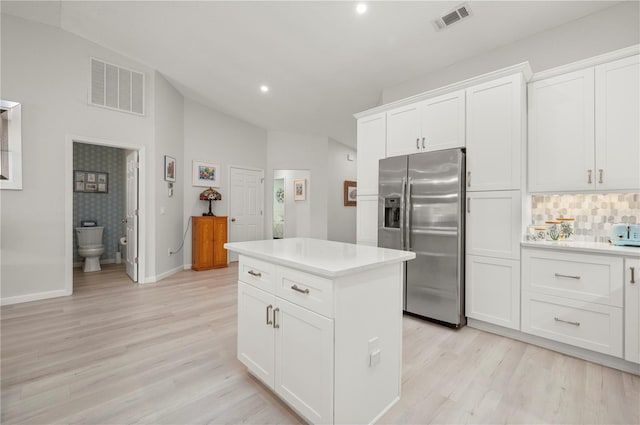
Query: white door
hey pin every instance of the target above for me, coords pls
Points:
(617, 125)
(494, 134)
(255, 332)
(372, 136)
(493, 224)
(131, 259)
(402, 131)
(632, 310)
(246, 206)
(561, 133)
(442, 121)
(304, 361)
(493, 291)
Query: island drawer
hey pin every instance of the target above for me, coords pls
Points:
(584, 277)
(312, 292)
(257, 273)
(592, 326)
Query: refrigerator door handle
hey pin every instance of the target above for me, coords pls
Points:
(407, 221)
(402, 207)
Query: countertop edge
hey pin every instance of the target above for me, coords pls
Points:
(596, 248)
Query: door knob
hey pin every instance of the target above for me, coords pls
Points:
(233, 219)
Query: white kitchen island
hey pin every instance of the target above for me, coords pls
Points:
(320, 323)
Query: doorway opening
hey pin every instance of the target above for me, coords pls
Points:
(291, 213)
(104, 222)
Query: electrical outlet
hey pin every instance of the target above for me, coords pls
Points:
(169, 252)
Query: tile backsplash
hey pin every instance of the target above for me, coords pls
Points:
(594, 213)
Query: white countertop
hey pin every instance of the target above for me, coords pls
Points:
(324, 258)
(586, 247)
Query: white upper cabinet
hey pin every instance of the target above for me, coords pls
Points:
(618, 125)
(433, 124)
(372, 133)
(495, 114)
(561, 133)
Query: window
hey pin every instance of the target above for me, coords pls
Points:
(10, 145)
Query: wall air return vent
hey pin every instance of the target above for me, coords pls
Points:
(116, 88)
(458, 14)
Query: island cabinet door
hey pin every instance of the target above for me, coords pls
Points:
(304, 361)
(256, 332)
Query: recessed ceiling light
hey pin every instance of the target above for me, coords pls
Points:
(361, 8)
(264, 89)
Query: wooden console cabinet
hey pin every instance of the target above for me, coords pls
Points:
(208, 238)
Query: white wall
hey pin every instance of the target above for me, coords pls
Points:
(47, 70)
(610, 29)
(289, 151)
(169, 139)
(297, 214)
(212, 136)
(341, 225)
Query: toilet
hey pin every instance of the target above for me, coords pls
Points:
(90, 246)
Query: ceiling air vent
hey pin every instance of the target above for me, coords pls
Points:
(116, 88)
(458, 14)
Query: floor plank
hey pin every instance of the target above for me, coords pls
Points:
(165, 353)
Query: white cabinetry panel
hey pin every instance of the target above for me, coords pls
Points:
(367, 220)
(403, 131)
(632, 310)
(442, 121)
(372, 136)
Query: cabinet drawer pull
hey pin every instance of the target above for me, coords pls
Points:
(418, 143)
(633, 275)
(269, 307)
(568, 276)
(275, 316)
(600, 176)
(256, 274)
(557, 319)
(468, 178)
(296, 288)
(423, 143)
(589, 179)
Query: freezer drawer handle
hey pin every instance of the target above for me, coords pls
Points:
(557, 319)
(633, 274)
(256, 274)
(269, 307)
(275, 316)
(567, 276)
(296, 288)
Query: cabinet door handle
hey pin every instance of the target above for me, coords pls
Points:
(296, 288)
(601, 176)
(469, 205)
(256, 274)
(589, 179)
(418, 143)
(567, 276)
(557, 319)
(269, 307)
(468, 178)
(423, 143)
(633, 275)
(275, 316)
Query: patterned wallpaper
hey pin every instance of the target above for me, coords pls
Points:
(107, 208)
(594, 213)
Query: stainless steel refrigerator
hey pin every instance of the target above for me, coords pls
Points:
(421, 209)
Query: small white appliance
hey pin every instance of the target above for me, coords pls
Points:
(90, 246)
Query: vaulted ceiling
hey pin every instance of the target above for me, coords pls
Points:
(321, 60)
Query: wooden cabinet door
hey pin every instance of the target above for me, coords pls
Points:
(372, 137)
(219, 239)
(632, 310)
(561, 133)
(495, 114)
(367, 220)
(442, 122)
(493, 291)
(403, 131)
(256, 333)
(304, 361)
(202, 246)
(493, 224)
(617, 125)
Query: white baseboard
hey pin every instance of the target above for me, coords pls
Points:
(187, 267)
(168, 273)
(34, 297)
(570, 350)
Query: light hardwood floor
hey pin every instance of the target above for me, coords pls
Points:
(165, 353)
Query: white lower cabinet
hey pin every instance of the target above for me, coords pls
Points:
(493, 291)
(632, 310)
(367, 220)
(290, 349)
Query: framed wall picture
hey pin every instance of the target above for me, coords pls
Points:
(299, 190)
(90, 181)
(350, 193)
(205, 174)
(169, 168)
